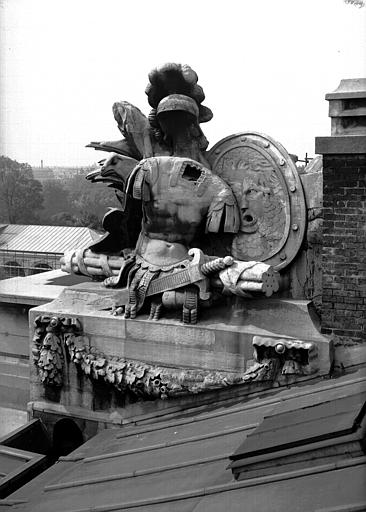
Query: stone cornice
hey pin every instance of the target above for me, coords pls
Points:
(335, 145)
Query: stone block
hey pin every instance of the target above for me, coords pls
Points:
(221, 344)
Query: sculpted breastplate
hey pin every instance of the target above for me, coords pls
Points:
(178, 195)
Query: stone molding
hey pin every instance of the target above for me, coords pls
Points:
(340, 144)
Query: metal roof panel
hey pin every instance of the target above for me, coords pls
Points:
(44, 239)
(181, 465)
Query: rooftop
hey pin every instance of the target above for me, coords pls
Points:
(44, 239)
(38, 288)
(181, 462)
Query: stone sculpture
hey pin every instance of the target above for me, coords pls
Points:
(195, 222)
(194, 227)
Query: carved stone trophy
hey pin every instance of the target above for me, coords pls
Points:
(187, 197)
(215, 230)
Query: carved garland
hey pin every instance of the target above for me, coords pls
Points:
(48, 345)
(150, 382)
(57, 338)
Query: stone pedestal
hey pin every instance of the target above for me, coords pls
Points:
(232, 351)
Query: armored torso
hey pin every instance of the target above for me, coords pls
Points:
(179, 196)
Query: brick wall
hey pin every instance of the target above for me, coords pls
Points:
(344, 246)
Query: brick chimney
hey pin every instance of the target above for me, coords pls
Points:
(344, 226)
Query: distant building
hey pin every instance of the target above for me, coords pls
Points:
(59, 173)
(27, 250)
(43, 173)
(63, 173)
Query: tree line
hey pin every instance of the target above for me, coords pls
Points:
(68, 202)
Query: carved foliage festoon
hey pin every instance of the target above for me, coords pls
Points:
(57, 339)
(48, 346)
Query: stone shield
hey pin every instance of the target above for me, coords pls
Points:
(270, 197)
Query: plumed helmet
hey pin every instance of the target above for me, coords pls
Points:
(176, 79)
(178, 102)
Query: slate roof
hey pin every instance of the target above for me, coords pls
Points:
(44, 239)
(181, 464)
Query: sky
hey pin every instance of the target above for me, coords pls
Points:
(264, 65)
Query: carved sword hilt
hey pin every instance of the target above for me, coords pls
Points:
(195, 273)
(197, 276)
(192, 274)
